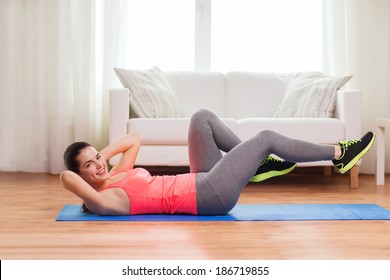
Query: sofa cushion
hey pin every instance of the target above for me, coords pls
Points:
(151, 96)
(322, 130)
(250, 94)
(312, 97)
(163, 155)
(195, 90)
(167, 131)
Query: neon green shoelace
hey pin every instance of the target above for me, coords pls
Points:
(346, 144)
(269, 158)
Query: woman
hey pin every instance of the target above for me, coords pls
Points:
(215, 181)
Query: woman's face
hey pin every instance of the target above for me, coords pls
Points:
(93, 168)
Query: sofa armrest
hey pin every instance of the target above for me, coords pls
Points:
(348, 110)
(119, 113)
(119, 116)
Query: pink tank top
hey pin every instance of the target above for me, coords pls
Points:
(158, 194)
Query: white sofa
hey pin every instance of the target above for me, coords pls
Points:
(245, 101)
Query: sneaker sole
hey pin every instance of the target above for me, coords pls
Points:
(352, 163)
(270, 174)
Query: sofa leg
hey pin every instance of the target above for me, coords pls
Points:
(354, 177)
(328, 170)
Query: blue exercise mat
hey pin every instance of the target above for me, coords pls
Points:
(251, 212)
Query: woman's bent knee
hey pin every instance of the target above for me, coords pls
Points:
(202, 114)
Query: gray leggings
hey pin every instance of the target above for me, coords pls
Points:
(221, 178)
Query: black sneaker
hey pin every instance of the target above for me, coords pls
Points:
(271, 167)
(352, 151)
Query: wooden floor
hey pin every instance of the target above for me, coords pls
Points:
(30, 203)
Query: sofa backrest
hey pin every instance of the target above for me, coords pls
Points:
(197, 89)
(253, 94)
(232, 95)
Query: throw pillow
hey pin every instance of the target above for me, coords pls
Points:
(151, 95)
(311, 97)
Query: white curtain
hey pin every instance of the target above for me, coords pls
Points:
(56, 68)
(357, 41)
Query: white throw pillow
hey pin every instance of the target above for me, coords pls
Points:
(311, 97)
(151, 95)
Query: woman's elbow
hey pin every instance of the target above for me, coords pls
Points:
(63, 176)
(136, 137)
(66, 178)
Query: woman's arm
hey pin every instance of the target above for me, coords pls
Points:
(94, 200)
(128, 145)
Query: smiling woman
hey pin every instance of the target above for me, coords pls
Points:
(215, 181)
(88, 174)
(83, 159)
(92, 166)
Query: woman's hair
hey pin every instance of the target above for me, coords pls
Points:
(84, 208)
(72, 164)
(71, 153)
